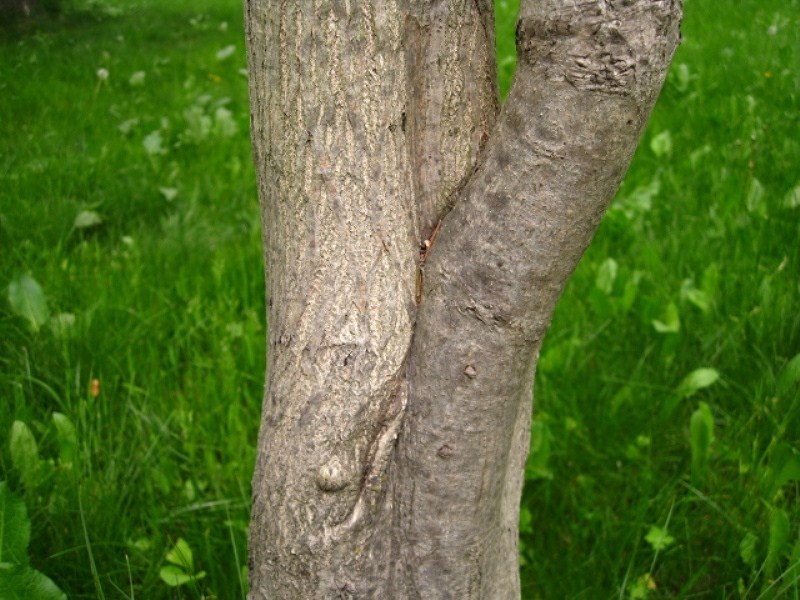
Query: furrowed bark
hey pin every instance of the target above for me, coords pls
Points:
(394, 434)
(338, 117)
(453, 102)
(338, 212)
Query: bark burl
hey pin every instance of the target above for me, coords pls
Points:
(417, 239)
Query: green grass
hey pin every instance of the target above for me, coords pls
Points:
(166, 293)
(696, 266)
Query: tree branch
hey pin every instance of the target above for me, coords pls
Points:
(588, 75)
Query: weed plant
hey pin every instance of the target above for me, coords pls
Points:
(666, 440)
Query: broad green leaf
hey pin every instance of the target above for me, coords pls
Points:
(137, 79)
(790, 375)
(18, 582)
(638, 202)
(198, 124)
(224, 124)
(24, 454)
(225, 53)
(680, 77)
(181, 555)
(87, 219)
(747, 549)
(623, 396)
(67, 439)
(691, 384)
(168, 193)
(696, 381)
(779, 529)
(606, 275)
(701, 428)
(697, 155)
(630, 291)
(28, 301)
(661, 144)
(141, 544)
(699, 299)
(127, 126)
(62, 324)
(696, 297)
(174, 576)
(670, 321)
(642, 587)
(189, 490)
(154, 143)
(755, 198)
(784, 467)
(792, 199)
(790, 471)
(15, 528)
(658, 538)
(602, 303)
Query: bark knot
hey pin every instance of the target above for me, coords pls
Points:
(444, 452)
(331, 476)
(487, 314)
(582, 46)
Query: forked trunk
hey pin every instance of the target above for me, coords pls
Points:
(415, 250)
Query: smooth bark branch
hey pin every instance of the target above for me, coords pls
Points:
(587, 76)
(396, 418)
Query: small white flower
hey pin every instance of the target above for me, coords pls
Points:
(102, 74)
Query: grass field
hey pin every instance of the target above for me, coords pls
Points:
(666, 451)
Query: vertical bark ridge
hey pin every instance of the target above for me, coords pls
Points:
(453, 100)
(340, 232)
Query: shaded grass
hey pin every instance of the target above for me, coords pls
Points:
(167, 299)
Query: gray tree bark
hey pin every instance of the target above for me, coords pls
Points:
(416, 245)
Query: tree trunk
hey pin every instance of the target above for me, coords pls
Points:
(416, 244)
